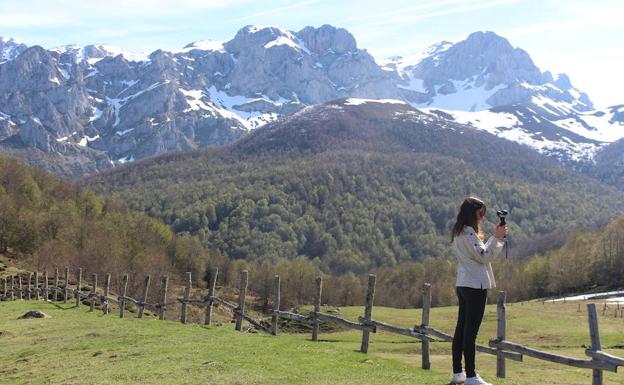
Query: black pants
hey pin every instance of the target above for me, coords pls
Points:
(471, 309)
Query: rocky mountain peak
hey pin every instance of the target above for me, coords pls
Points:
(10, 48)
(327, 38)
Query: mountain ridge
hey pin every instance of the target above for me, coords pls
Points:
(99, 106)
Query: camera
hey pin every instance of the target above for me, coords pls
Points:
(501, 214)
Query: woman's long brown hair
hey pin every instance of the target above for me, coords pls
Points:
(468, 216)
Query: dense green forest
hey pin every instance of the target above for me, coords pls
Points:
(357, 189)
(330, 191)
(47, 222)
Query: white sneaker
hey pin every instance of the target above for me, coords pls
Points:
(476, 380)
(458, 378)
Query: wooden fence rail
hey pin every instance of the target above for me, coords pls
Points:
(501, 348)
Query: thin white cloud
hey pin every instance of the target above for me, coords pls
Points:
(278, 10)
(562, 25)
(68, 13)
(450, 11)
(432, 4)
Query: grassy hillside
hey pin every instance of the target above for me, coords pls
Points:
(77, 347)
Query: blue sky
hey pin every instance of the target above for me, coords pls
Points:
(580, 38)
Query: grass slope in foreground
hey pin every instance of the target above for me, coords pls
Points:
(77, 347)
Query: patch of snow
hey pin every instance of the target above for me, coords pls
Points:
(94, 71)
(55, 80)
(357, 102)
(203, 45)
(124, 132)
(552, 106)
(289, 40)
(126, 159)
(129, 83)
(63, 73)
(97, 113)
(194, 100)
(508, 126)
(84, 140)
(590, 296)
(415, 85)
(467, 97)
(37, 120)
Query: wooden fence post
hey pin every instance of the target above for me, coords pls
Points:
(46, 294)
(211, 292)
(56, 284)
(142, 306)
(595, 340)
(122, 298)
(105, 308)
(241, 299)
(426, 309)
(187, 296)
(78, 287)
(276, 304)
(21, 288)
(66, 287)
(164, 282)
(37, 294)
(501, 327)
(93, 293)
(12, 288)
(317, 308)
(29, 287)
(368, 311)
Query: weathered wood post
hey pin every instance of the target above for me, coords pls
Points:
(46, 294)
(501, 327)
(426, 309)
(317, 308)
(107, 280)
(187, 296)
(164, 282)
(368, 311)
(241, 299)
(595, 340)
(37, 291)
(29, 287)
(66, 287)
(122, 298)
(93, 293)
(11, 284)
(78, 287)
(276, 304)
(145, 292)
(12, 288)
(4, 287)
(56, 284)
(211, 292)
(21, 288)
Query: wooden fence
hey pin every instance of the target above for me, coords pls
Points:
(15, 288)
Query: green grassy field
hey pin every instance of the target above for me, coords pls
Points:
(78, 347)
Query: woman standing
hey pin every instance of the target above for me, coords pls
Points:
(474, 277)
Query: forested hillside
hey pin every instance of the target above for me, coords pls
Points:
(48, 222)
(354, 187)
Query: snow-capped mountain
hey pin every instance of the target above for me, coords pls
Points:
(485, 82)
(86, 108)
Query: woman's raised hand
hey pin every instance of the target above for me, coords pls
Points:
(500, 231)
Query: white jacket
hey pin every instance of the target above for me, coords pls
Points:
(473, 259)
